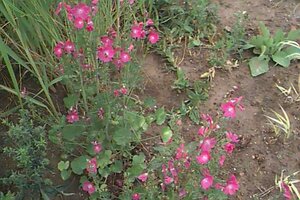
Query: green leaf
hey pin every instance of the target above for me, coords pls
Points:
(122, 136)
(264, 30)
(149, 102)
(259, 65)
(138, 166)
(280, 57)
(279, 36)
(135, 120)
(117, 167)
(104, 159)
(138, 159)
(194, 115)
(294, 35)
(166, 134)
(79, 164)
(72, 131)
(160, 116)
(63, 165)
(65, 174)
(70, 100)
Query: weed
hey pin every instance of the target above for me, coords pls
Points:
(229, 44)
(292, 94)
(280, 123)
(27, 148)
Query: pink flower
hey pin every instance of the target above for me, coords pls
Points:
(149, 22)
(131, 1)
(123, 90)
(202, 131)
(59, 49)
(207, 144)
(207, 118)
(59, 7)
(81, 10)
(136, 196)
(79, 23)
(286, 191)
(228, 109)
(168, 180)
(116, 93)
(92, 166)
(173, 171)
(182, 192)
(232, 137)
(207, 181)
(105, 53)
(229, 147)
(95, 2)
(203, 158)
(222, 160)
(125, 57)
(106, 40)
(89, 25)
(231, 186)
(130, 48)
(72, 116)
(118, 63)
(69, 46)
(101, 113)
(97, 147)
(180, 152)
(143, 177)
(153, 37)
(187, 164)
(137, 32)
(88, 187)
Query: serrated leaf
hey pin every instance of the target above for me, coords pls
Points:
(65, 174)
(194, 115)
(259, 65)
(63, 165)
(72, 131)
(70, 100)
(79, 164)
(122, 136)
(160, 116)
(166, 134)
(281, 58)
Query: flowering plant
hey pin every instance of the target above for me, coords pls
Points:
(192, 170)
(97, 63)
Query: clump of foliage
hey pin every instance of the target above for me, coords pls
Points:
(231, 42)
(188, 20)
(27, 148)
(272, 47)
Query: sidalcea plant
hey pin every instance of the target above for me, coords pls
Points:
(193, 170)
(98, 66)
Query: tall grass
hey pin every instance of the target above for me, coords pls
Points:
(27, 34)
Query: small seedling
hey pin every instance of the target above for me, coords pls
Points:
(291, 93)
(280, 123)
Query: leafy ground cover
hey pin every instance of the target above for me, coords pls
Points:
(156, 126)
